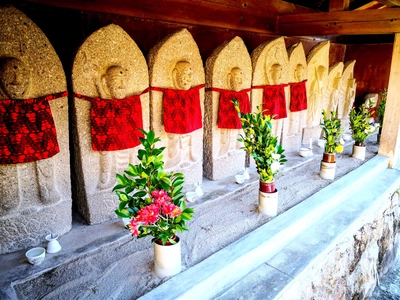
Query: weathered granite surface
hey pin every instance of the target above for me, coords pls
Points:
(222, 154)
(95, 171)
(184, 152)
(35, 197)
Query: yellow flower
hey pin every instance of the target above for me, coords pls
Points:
(339, 148)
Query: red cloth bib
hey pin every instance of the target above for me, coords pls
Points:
(298, 96)
(227, 115)
(115, 122)
(181, 110)
(27, 130)
(274, 100)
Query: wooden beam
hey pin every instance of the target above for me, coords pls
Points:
(276, 7)
(390, 3)
(339, 5)
(390, 137)
(370, 5)
(194, 12)
(383, 21)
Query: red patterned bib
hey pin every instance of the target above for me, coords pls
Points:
(227, 115)
(298, 96)
(181, 110)
(115, 122)
(27, 130)
(274, 100)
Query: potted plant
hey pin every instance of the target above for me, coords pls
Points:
(362, 127)
(332, 131)
(154, 202)
(260, 143)
(380, 111)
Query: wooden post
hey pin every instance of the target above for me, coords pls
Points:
(390, 138)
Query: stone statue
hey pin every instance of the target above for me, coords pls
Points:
(318, 65)
(316, 94)
(347, 90)
(35, 176)
(270, 79)
(229, 137)
(297, 99)
(228, 77)
(177, 104)
(331, 93)
(110, 83)
(179, 146)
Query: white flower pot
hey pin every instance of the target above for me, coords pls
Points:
(167, 259)
(359, 152)
(268, 203)
(327, 170)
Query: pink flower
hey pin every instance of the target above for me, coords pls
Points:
(162, 200)
(171, 210)
(160, 197)
(133, 227)
(148, 214)
(160, 193)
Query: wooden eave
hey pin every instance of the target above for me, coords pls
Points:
(258, 16)
(358, 22)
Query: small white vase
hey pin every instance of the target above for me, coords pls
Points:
(167, 259)
(268, 203)
(53, 246)
(327, 170)
(359, 152)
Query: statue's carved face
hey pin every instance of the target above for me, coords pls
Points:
(299, 73)
(182, 75)
(115, 79)
(235, 79)
(275, 73)
(14, 78)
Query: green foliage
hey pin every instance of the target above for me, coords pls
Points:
(362, 123)
(135, 189)
(380, 109)
(260, 143)
(332, 132)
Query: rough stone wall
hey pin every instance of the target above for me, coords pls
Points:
(353, 268)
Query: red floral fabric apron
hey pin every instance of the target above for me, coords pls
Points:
(115, 123)
(27, 129)
(227, 115)
(181, 109)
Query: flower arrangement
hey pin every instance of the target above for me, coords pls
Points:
(332, 131)
(361, 123)
(151, 197)
(260, 142)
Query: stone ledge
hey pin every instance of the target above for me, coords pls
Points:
(221, 270)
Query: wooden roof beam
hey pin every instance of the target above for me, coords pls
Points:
(339, 5)
(376, 21)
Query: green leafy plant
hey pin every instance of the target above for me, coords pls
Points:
(380, 109)
(362, 123)
(332, 131)
(260, 143)
(151, 197)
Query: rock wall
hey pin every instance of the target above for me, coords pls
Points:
(352, 269)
